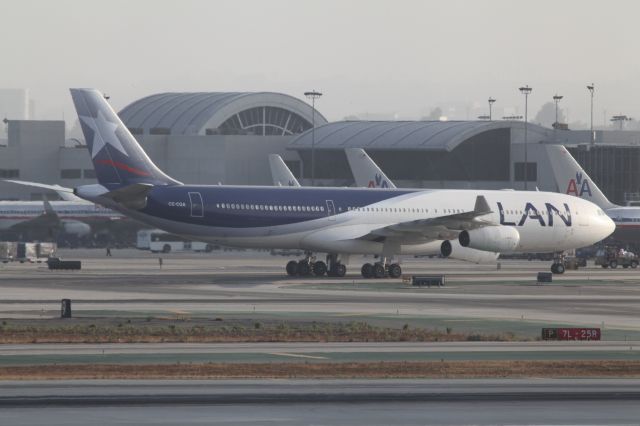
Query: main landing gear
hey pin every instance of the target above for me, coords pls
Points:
(381, 270)
(310, 266)
(557, 267)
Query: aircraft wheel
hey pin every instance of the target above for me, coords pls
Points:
(553, 268)
(319, 268)
(292, 268)
(559, 268)
(613, 264)
(379, 270)
(367, 270)
(340, 270)
(634, 264)
(395, 270)
(304, 269)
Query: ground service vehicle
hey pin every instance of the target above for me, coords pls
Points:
(611, 257)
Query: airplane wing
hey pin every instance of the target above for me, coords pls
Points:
(65, 193)
(439, 228)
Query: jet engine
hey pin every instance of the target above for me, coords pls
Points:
(77, 228)
(501, 239)
(454, 250)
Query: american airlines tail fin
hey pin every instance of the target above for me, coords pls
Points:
(280, 173)
(572, 179)
(118, 159)
(365, 172)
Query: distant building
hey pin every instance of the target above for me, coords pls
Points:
(15, 104)
(210, 138)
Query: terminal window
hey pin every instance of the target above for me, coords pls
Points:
(532, 172)
(9, 173)
(70, 173)
(89, 173)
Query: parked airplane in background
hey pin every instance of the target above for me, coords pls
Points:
(387, 222)
(573, 180)
(46, 217)
(365, 171)
(280, 173)
(73, 215)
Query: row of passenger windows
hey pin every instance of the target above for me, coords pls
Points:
(398, 210)
(273, 208)
(531, 212)
(263, 207)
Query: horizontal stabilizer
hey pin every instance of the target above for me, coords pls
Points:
(63, 192)
(132, 196)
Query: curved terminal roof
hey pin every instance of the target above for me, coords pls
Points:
(259, 113)
(412, 135)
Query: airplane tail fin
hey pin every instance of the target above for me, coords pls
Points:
(572, 179)
(365, 171)
(117, 157)
(280, 173)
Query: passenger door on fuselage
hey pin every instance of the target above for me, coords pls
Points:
(197, 206)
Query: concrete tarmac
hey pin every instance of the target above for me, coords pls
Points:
(326, 402)
(477, 298)
(224, 284)
(313, 352)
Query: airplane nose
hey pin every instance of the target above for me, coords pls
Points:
(608, 226)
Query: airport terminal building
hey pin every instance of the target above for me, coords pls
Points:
(214, 137)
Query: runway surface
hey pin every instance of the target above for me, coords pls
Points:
(313, 352)
(327, 402)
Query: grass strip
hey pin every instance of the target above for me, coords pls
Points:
(344, 370)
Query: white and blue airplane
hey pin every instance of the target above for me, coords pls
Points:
(385, 222)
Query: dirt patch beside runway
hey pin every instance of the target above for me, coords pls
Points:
(235, 331)
(445, 369)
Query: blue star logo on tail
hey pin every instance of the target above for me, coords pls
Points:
(104, 133)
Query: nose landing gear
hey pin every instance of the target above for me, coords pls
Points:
(558, 264)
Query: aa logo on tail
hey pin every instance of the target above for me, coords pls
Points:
(378, 183)
(581, 183)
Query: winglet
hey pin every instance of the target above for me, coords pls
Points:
(481, 207)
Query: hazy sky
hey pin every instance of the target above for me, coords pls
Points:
(379, 57)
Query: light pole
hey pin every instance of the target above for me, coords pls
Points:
(591, 89)
(491, 101)
(526, 90)
(556, 99)
(313, 95)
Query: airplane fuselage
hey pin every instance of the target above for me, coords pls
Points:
(341, 219)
